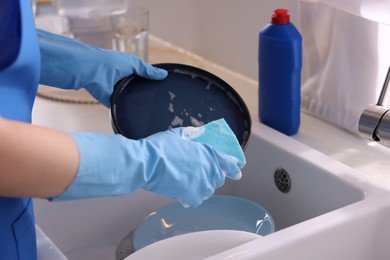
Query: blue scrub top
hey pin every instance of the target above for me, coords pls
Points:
(19, 77)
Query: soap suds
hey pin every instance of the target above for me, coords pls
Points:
(170, 108)
(196, 122)
(190, 132)
(171, 95)
(177, 121)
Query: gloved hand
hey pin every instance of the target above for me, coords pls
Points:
(164, 163)
(70, 64)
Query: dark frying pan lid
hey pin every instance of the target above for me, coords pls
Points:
(188, 96)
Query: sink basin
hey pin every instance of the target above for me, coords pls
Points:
(322, 208)
(313, 180)
(344, 214)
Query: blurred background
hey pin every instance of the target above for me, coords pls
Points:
(222, 31)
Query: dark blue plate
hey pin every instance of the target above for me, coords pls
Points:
(188, 96)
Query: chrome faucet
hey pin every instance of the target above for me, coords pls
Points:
(374, 123)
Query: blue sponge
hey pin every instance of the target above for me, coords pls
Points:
(218, 135)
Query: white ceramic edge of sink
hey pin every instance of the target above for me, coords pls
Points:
(376, 197)
(363, 182)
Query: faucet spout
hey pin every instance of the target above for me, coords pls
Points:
(374, 123)
(370, 122)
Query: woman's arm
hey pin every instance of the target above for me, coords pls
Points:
(35, 161)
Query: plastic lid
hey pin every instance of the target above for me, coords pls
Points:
(280, 16)
(188, 96)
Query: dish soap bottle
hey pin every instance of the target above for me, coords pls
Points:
(280, 64)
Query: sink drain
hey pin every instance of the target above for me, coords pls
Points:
(282, 180)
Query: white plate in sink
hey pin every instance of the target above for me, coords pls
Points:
(220, 212)
(196, 245)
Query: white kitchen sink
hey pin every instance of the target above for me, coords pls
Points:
(316, 186)
(330, 211)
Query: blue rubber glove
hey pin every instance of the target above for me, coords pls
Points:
(70, 64)
(164, 163)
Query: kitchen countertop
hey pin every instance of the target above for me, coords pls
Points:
(369, 158)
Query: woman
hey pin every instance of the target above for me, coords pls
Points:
(40, 162)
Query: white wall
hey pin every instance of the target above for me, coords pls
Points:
(223, 31)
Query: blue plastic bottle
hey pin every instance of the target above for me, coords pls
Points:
(280, 64)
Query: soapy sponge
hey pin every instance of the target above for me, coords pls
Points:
(218, 135)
